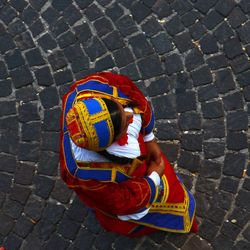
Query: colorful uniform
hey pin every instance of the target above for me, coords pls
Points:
(113, 190)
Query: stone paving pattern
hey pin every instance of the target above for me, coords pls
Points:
(190, 57)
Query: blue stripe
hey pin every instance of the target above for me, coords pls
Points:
(68, 106)
(70, 161)
(95, 174)
(150, 126)
(95, 85)
(191, 208)
(103, 133)
(93, 106)
(120, 177)
(153, 189)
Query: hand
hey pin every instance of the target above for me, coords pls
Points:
(153, 151)
(158, 168)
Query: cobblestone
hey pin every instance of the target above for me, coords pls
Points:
(191, 58)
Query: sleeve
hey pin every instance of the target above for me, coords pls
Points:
(122, 198)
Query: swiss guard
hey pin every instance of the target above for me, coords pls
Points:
(110, 158)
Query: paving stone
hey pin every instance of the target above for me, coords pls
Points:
(217, 62)
(201, 76)
(197, 30)
(126, 25)
(6, 43)
(189, 161)
(61, 192)
(130, 71)
(185, 101)
(162, 9)
(7, 108)
(59, 26)
(229, 185)
(246, 233)
(170, 150)
(233, 101)
(68, 228)
(244, 4)
(190, 17)
(189, 121)
(46, 42)
(9, 142)
(177, 240)
(24, 41)
(57, 60)
(182, 82)
(214, 128)
(246, 184)
(6, 88)
(24, 174)
(204, 185)
(19, 5)
(95, 49)
(193, 59)
(149, 3)
(161, 43)
(197, 243)
(20, 194)
(13, 242)
(12, 208)
(84, 4)
(34, 208)
(204, 7)
(210, 169)
(159, 86)
(104, 240)
(212, 19)
(212, 109)
(151, 27)
(236, 17)
(242, 199)
(230, 230)
(49, 97)
(236, 140)
(244, 32)
(84, 239)
(29, 15)
(223, 32)
(16, 27)
(50, 141)
(139, 11)
(207, 92)
(56, 241)
(213, 149)
(104, 63)
(14, 59)
(5, 183)
(43, 76)
(21, 76)
(32, 242)
(141, 47)
(65, 75)
(77, 210)
(37, 4)
(93, 12)
(174, 26)
(225, 7)
(28, 112)
(26, 94)
(43, 229)
(232, 160)
(165, 106)
(2, 198)
(246, 93)
(3, 70)
(167, 131)
(43, 186)
(239, 64)
(209, 44)
(202, 204)
(8, 163)
(66, 39)
(150, 66)
(114, 11)
(114, 40)
(216, 215)
(122, 243)
(28, 152)
(7, 224)
(243, 78)
(173, 64)
(208, 230)
(222, 242)
(183, 42)
(233, 48)
(53, 213)
(241, 245)
(181, 7)
(34, 57)
(72, 14)
(59, 5)
(51, 119)
(224, 80)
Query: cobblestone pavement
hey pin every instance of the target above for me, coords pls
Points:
(191, 57)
